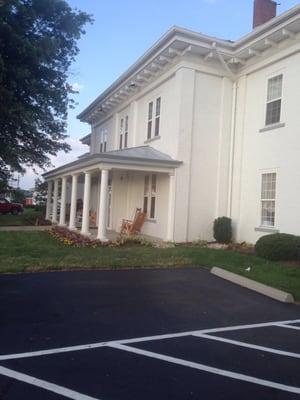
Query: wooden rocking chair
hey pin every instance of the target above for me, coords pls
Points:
(93, 219)
(133, 227)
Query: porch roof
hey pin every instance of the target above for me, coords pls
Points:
(144, 156)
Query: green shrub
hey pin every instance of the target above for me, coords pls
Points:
(223, 230)
(278, 247)
(40, 208)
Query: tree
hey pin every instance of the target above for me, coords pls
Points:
(18, 195)
(40, 189)
(38, 43)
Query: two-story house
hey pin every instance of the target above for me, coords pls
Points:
(197, 128)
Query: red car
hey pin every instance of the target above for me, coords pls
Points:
(8, 207)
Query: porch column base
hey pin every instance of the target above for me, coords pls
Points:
(88, 234)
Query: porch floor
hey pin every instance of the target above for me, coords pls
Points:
(113, 235)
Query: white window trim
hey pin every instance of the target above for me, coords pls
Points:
(279, 124)
(261, 227)
(154, 117)
(123, 131)
(103, 140)
(149, 196)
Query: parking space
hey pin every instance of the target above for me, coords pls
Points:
(256, 355)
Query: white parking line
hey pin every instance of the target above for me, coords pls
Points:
(250, 326)
(247, 345)
(297, 328)
(139, 339)
(70, 394)
(52, 351)
(207, 368)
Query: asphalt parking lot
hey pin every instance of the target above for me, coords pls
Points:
(144, 334)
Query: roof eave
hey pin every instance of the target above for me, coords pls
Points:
(109, 159)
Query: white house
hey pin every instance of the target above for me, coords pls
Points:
(197, 128)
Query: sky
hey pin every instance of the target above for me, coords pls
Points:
(123, 30)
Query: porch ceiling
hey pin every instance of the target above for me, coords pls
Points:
(143, 157)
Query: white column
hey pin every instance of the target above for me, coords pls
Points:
(49, 198)
(86, 204)
(171, 208)
(55, 202)
(103, 206)
(62, 216)
(72, 223)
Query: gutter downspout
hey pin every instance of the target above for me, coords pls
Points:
(233, 126)
(232, 142)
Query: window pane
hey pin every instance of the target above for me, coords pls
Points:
(149, 130)
(275, 88)
(152, 210)
(150, 110)
(125, 139)
(104, 147)
(153, 184)
(145, 206)
(268, 187)
(126, 123)
(121, 141)
(146, 185)
(101, 148)
(273, 112)
(157, 120)
(158, 103)
(121, 125)
(268, 213)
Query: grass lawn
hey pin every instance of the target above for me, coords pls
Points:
(26, 218)
(37, 251)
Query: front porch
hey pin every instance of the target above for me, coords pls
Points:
(97, 192)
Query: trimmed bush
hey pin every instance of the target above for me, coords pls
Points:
(223, 230)
(278, 247)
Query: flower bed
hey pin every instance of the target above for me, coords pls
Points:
(75, 239)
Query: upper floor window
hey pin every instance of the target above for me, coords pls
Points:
(154, 109)
(274, 99)
(103, 140)
(268, 196)
(150, 195)
(121, 133)
(124, 132)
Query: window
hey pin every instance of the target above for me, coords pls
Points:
(268, 195)
(150, 117)
(273, 112)
(157, 116)
(150, 184)
(153, 127)
(103, 140)
(121, 133)
(124, 132)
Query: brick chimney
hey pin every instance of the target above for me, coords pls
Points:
(264, 10)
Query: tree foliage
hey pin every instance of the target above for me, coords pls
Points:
(41, 189)
(38, 43)
(18, 195)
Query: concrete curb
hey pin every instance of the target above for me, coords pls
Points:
(269, 291)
